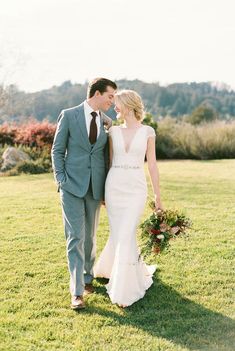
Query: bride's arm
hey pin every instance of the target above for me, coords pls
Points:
(153, 171)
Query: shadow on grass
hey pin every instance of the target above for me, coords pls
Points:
(165, 313)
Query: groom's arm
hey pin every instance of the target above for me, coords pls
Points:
(59, 147)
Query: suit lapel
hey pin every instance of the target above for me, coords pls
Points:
(102, 134)
(80, 115)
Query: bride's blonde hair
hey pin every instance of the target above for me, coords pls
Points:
(132, 101)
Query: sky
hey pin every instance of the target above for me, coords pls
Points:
(46, 42)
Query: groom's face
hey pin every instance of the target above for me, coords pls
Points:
(106, 99)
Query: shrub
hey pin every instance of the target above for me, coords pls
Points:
(40, 161)
(35, 139)
(148, 119)
(33, 134)
(30, 167)
(202, 114)
(214, 140)
(7, 134)
(36, 153)
(36, 134)
(165, 142)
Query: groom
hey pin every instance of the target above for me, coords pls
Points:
(79, 164)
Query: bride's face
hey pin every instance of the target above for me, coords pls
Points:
(120, 110)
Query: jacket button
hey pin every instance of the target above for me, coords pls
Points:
(89, 166)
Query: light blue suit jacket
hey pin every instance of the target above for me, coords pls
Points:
(75, 161)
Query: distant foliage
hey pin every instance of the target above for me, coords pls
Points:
(175, 100)
(202, 114)
(176, 139)
(148, 120)
(184, 141)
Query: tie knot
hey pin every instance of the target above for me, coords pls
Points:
(94, 114)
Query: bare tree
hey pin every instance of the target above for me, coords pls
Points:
(11, 59)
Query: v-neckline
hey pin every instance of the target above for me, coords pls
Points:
(132, 139)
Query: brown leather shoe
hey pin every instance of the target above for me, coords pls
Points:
(88, 289)
(77, 303)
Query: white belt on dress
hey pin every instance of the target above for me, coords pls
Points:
(126, 166)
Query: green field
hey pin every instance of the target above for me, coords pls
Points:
(190, 306)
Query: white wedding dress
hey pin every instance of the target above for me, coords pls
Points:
(125, 197)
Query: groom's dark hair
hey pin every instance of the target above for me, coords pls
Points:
(99, 84)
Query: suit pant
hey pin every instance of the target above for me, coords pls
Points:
(80, 218)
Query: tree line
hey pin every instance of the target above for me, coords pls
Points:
(175, 100)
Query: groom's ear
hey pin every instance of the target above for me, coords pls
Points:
(97, 93)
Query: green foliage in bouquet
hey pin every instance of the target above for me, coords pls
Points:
(160, 227)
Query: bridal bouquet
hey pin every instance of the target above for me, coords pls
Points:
(160, 227)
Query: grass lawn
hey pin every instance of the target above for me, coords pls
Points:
(189, 306)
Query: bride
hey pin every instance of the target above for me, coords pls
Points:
(125, 197)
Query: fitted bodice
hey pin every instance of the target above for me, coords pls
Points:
(135, 155)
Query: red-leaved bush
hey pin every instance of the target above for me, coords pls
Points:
(33, 134)
(7, 134)
(36, 134)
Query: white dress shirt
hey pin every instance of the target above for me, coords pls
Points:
(88, 118)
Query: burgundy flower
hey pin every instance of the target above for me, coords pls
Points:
(155, 231)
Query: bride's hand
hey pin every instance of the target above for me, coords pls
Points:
(158, 205)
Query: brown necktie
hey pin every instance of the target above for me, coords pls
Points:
(93, 128)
